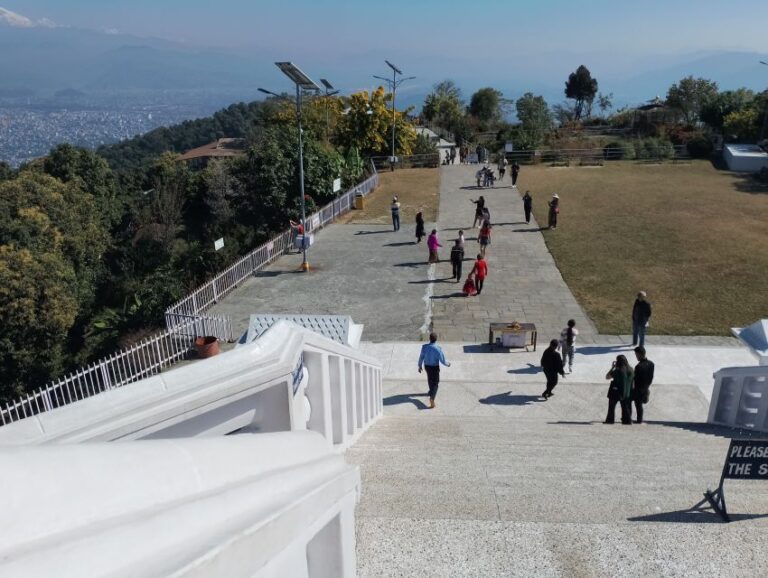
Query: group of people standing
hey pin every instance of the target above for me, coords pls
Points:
(627, 385)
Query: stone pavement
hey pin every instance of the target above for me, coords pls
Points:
(523, 283)
(382, 279)
(495, 482)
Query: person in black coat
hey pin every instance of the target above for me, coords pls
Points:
(527, 206)
(552, 364)
(457, 258)
(641, 316)
(642, 382)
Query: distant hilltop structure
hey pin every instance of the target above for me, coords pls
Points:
(220, 148)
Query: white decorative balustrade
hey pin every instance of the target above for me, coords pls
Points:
(247, 506)
(740, 398)
(289, 379)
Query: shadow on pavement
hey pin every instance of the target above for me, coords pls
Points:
(693, 516)
(417, 264)
(572, 422)
(426, 281)
(374, 232)
(484, 348)
(534, 230)
(709, 429)
(530, 370)
(449, 296)
(602, 349)
(405, 244)
(407, 398)
(507, 399)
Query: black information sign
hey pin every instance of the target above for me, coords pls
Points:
(746, 460)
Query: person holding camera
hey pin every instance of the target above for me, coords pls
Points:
(620, 390)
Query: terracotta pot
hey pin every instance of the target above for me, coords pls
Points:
(206, 346)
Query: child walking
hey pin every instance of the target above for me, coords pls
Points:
(568, 343)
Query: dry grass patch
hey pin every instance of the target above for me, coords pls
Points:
(693, 237)
(416, 189)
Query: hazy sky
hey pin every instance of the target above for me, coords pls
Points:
(476, 42)
(491, 28)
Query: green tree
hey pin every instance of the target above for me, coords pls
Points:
(715, 109)
(486, 105)
(367, 125)
(742, 124)
(689, 96)
(535, 118)
(6, 172)
(581, 88)
(68, 163)
(604, 102)
(444, 106)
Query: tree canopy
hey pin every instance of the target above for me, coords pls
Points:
(535, 119)
(444, 106)
(581, 88)
(486, 105)
(690, 95)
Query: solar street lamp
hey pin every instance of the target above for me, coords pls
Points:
(329, 92)
(393, 84)
(303, 83)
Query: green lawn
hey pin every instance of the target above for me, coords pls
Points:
(693, 237)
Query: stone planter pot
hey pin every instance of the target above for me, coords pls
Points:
(207, 346)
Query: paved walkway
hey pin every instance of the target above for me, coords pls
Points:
(496, 483)
(381, 278)
(523, 282)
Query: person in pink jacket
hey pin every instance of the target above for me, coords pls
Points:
(432, 245)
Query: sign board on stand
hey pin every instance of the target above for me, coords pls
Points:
(745, 460)
(218, 244)
(336, 185)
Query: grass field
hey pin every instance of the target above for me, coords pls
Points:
(416, 189)
(693, 237)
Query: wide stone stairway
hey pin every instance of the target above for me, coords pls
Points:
(496, 482)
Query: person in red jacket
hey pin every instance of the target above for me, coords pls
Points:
(480, 272)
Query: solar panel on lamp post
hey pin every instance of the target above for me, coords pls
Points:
(302, 82)
(394, 83)
(329, 92)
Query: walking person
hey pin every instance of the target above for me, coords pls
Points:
(479, 206)
(395, 208)
(502, 166)
(297, 229)
(480, 272)
(620, 390)
(420, 227)
(453, 155)
(460, 238)
(527, 206)
(469, 289)
(552, 365)
(457, 258)
(641, 318)
(514, 170)
(430, 358)
(568, 343)
(484, 237)
(642, 382)
(554, 211)
(432, 244)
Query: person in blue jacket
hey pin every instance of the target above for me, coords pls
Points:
(430, 359)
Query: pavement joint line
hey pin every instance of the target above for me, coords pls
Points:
(428, 292)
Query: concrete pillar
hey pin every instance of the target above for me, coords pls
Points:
(338, 399)
(319, 394)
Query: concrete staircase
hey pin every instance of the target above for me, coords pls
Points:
(498, 483)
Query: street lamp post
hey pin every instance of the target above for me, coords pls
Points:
(765, 113)
(329, 92)
(393, 84)
(302, 82)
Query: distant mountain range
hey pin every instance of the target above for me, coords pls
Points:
(39, 56)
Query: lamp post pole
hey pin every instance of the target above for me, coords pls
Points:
(393, 84)
(302, 82)
(329, 92)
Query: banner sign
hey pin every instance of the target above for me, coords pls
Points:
(218, 244)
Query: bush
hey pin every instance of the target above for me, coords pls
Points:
(653, 149)
(618, 150)
(699, 147)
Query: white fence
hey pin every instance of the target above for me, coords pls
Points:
(145, 358)
(740, 398)
(211, 292)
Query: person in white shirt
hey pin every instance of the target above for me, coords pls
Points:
(568, 343)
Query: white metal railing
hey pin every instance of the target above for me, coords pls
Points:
(207, 295)
(289, 379)
(145, 358)
(740, 398)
